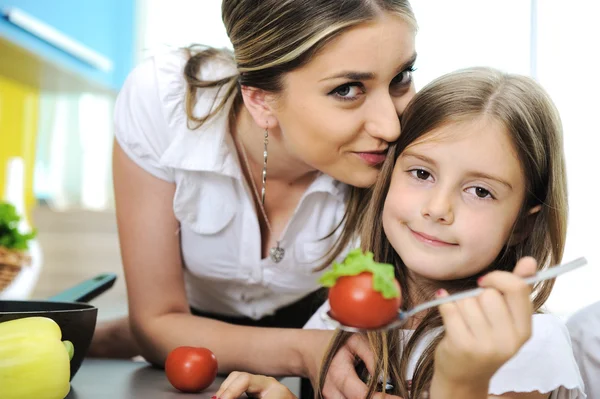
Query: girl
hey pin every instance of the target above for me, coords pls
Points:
(234, 173)
(475, 183)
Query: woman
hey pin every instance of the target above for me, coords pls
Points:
(239, 177)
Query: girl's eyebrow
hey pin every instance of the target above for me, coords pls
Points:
(423, 158)
(482, 175)
(477, 174)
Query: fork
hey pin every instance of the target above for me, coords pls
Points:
(404, 315)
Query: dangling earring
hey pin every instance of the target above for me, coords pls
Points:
(276, 253)
(264, 171)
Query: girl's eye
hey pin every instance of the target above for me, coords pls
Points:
(481, 192)
(420, 174)
(348, 91)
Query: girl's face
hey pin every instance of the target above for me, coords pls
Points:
(454, 197)
(338, 113)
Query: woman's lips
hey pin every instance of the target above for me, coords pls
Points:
(430, 240)
(372, 158)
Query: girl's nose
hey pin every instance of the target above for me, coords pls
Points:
(438, 208)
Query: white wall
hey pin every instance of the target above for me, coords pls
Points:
(179, 23)
(557, 43)
(568, 66)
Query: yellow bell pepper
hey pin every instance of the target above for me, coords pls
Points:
(34, 362)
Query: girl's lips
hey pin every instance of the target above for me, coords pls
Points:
(430, 240)
(372, 158)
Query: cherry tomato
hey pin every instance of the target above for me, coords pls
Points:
(355, 303)
(191, 369)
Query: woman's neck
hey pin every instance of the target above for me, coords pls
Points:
(282, 167)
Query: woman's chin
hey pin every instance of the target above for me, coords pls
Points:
(358, 178)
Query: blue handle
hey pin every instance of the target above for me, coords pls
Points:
(87, 290)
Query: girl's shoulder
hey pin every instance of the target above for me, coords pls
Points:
(545, 363)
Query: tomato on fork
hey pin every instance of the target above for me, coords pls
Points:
(362, 292)
(355, 303)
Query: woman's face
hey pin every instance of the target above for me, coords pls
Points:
(338, 113)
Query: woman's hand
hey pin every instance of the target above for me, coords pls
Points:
(484, 332)
(259, 386)
(342, 381)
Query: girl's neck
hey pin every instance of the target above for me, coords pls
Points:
(282, 167)
(419, 290)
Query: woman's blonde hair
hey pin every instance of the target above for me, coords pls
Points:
(271, 38)
(534, 127)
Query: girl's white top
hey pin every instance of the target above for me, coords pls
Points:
(545, 363)
(220, 234)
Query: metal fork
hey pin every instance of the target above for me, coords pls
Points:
(404, 315)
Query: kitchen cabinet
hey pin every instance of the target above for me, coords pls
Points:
(73, 42)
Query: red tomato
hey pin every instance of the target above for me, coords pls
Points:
(355, 303)
(191, 369)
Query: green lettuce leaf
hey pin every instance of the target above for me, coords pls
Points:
(10, 236)
(357, 262)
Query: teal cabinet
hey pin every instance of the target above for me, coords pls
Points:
(91, 39)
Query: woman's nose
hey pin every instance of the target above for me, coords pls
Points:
(383, 121)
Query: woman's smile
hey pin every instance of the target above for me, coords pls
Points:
(372, 158)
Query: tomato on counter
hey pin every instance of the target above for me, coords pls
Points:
(191, 369)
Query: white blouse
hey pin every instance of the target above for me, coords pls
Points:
(545, 363)
(220, 234)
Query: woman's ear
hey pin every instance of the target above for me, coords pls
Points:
(258, 102)
(525, 226)
(534, 210)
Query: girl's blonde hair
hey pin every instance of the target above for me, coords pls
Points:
(532, 122)
(273, 37)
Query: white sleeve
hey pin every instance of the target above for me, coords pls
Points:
(140, 125)
(316, 322)
(545, 363)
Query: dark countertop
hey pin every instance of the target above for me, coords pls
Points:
(122, 379)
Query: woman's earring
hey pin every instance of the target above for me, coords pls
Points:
(264, 171)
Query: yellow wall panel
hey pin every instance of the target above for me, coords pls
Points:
(19, 108)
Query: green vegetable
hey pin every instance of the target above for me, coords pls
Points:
(357, 262)
(10, 236)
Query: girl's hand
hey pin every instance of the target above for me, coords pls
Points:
(484, 332)
(259, 386)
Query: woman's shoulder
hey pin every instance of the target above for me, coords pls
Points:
(151, 121)
(158, 84)
(545, 363)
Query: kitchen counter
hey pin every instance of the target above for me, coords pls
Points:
(122, 379)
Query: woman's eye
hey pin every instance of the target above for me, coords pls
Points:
(404, 78)
(348, 91)
(420, 174)
(481, 192)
